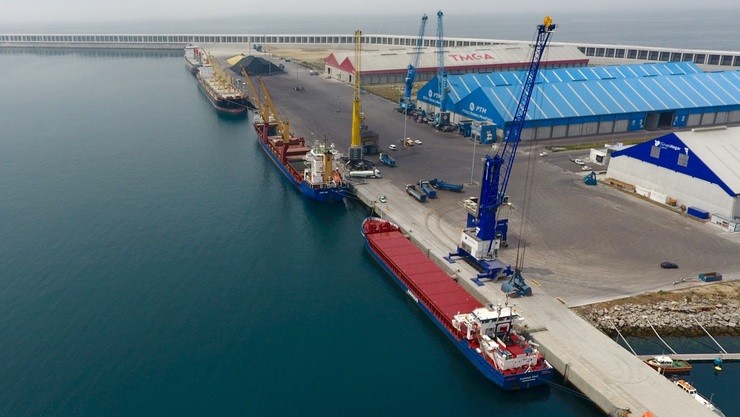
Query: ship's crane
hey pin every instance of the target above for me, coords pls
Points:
(443, 117)
(406, 104)
(267, 127)
(283, 125)
(355, 149)
(486, 231)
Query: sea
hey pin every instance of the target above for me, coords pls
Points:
(153, 262)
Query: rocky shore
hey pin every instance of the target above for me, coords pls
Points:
(672, 313)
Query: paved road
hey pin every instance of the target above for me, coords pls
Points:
(583, 244)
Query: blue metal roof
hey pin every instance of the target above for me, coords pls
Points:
(467, 83)
(558, 100)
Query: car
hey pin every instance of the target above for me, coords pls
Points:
(544, 153)
(585, 168)
(417, 141)
(313, 72)
(579, 161)
(668, 265)
(383, 199)
(392, 147)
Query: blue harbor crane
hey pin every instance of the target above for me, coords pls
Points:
(406, 105)
(486, 231)
(443, 117)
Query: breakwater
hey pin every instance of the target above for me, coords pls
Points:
(671, 313)
(602, 53)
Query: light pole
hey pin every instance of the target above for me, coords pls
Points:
(472, 165)
(405, 117)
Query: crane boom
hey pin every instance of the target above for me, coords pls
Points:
(485, 230)
(441, 71)
(283, 125)
(406, 103)
(263, 110)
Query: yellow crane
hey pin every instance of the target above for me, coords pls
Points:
(355, 150)
(262, 109)
(283, 125)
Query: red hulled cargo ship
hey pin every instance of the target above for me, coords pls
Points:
(484, 334)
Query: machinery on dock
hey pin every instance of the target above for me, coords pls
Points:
(355, 149)
(442, 118)
(406, 105)
(443, 185)
(486, 231)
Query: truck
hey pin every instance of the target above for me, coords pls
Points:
(416, 193)
(370, 173)
(427, 189)
(437, 183)
(387, 160)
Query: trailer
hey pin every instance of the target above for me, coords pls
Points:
(710, 277)
(437, 183)
(371, 173)
(387, 160)
(416, 193)
(427, 189)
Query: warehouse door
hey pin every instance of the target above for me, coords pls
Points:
(659, 120)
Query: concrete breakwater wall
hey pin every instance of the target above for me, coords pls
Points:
(716, 307)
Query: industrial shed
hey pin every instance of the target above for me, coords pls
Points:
(595, 100)
(695, 169)
(391, 66)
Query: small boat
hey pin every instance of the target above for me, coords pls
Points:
(689, 389)
(667, 365)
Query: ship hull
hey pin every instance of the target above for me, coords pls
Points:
(191, 66)
(322, 195)
(506, 382)
(231, 107)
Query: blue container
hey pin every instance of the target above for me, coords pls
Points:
(697, 212)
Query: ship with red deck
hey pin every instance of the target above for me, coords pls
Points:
(484, 334)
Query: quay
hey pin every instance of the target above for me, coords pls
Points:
(562, 266)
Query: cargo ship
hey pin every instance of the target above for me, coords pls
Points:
(312, 170)
(218, 87)
(484, 334)
(193, 58)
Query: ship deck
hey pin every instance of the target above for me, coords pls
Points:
(425, 278)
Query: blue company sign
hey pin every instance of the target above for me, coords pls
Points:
(673, 154)
(475, 111)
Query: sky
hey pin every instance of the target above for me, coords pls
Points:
(99, 11)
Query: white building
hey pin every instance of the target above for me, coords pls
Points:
(698, 169)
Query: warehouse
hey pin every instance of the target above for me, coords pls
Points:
(696, 170)
(391, 66)
(595, 100)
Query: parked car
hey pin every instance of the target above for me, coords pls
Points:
(392, 147)
(543, 153)
(668, 265)
(313, 72)
(579, 161)
(417, 141)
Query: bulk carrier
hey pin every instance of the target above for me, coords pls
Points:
(314, 171)
(484, 334)
(219, 88)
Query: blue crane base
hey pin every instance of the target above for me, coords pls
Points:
(487, 270)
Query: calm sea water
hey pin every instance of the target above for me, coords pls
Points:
(153, 262)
